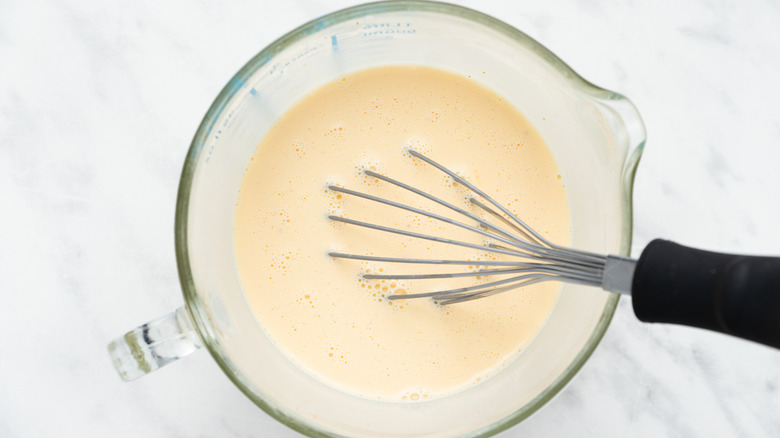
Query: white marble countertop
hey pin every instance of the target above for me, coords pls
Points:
(98, 103)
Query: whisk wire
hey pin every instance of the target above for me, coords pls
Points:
(529, 267)
(571, 252)
(444, 203)
(484, 195)
(513, 242)
(425, 236)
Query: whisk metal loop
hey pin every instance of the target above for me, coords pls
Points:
(425, 213)
(479, 192)
(444, 203)
(424, 236)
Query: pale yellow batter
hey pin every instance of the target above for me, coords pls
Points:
(317, 309)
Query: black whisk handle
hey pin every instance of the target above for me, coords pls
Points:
(733, 294)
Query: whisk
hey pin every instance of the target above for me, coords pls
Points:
(732, 294)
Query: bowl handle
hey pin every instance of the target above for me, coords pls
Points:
(154, 344)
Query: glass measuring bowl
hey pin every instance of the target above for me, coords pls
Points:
(595, 135)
